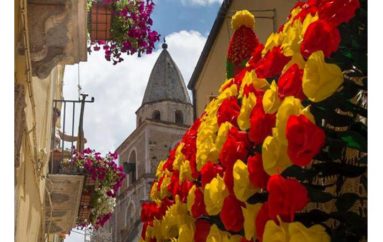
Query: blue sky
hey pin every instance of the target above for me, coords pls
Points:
(173, 15)
(118, 90)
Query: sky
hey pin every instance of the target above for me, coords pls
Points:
(118, 89)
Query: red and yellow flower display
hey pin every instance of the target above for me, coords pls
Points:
(226, 179)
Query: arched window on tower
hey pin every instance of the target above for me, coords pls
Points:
(132, 167)
(156, 115)
(179, 117)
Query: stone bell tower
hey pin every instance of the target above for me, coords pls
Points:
(163, 117)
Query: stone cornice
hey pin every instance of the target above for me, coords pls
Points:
(57, 34)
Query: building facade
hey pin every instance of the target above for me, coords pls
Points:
(48, 35)
(165, 114)
(210, 71)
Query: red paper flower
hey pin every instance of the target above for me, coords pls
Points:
(202, 228)
(272, 63)
(165, 204)
(330, 11)
(228, 111)
(234, 148)
(261, 123)
(184, 190)
(290, 83)
(255, 56)
(149, 211)
(305, 139)
(209, 171)
(310, 7)
(231, 214)
(320, 35)
(261, 219)
(286, 197)
(190, 147)
(198, 209)
(237, 80)
(257, 175)
(229, 179)
(174, 186)
(168, 165)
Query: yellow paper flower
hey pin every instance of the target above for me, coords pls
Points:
(214, 194)
(291, 42)
(179, 157)
(175, 217)
(290, 106)
(275, 39)
(225, 83)
(251, 78)
(222, 135)
(275, 233)
(320, 80)
(164, 192)
(274, 155)
(190, 198)
(207, 131)
(249, 214)
(271, 100)
(294, 232)
(185, 171)
(231, 91)
(242, 18)
(298, 59)
(154, 193)
(316, 233)
(248, 103)
(159, 169)
(294, 12)
(215, 234)
(293, 36)
(243, 189)
(231, 238)
(186, 232)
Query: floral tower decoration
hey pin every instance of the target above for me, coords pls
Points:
(280, 154)
(242, 43)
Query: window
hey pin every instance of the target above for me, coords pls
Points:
(156, 115)
(179, 117)
(132, 167)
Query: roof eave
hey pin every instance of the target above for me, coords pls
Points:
(209, 42)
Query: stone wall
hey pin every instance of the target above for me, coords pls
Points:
(167, 110)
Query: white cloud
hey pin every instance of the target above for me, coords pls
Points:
(119, 89)
(200, 2)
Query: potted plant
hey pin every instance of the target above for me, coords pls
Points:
(103, 180)
(121, 26)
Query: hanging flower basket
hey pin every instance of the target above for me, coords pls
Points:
(121, 26)
(103, 180)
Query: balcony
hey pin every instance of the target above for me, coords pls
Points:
(68, 189)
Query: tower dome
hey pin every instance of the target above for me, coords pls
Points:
(166, 98)
(165, 81)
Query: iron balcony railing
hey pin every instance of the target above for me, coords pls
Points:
(67, 148)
